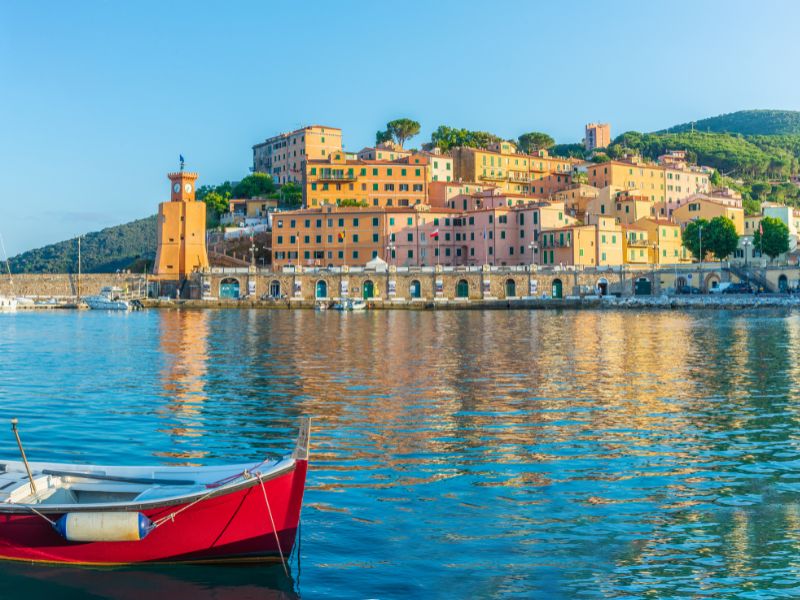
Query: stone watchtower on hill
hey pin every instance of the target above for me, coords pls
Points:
(181, 231)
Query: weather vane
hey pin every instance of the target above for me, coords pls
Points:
(182, 161)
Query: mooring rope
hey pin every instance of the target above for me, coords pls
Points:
(272, 521)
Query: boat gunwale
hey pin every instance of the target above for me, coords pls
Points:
(207, 494)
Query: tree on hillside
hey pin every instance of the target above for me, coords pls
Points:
(568, 150)
(774, 240)
(255, 185)
(691, 237)
(715, 179)
(382, 137)
(720, 237)
(290, 194)
(445, 137)
(533, 141)
(216, 203)
(400, 130)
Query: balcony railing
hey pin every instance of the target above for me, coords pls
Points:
(638, 243)
(336, 176)
(494, 177)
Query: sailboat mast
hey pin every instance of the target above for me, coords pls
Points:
(8, 265)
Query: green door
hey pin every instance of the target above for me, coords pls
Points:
(558, 289)
(369, 290)
(229, 288)
(511, 289)
(462, 289)
(643, 287)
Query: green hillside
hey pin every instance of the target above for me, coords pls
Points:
(120, 247)
(746, 122)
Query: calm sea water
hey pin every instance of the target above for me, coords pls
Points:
(455, 454)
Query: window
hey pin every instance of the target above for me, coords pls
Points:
(374, 237)
(280, 239)
(410, 237)
(341, 222)
(391, 220)
(374, 172)
(389, 172)
(355, 238)
(410, 220)
(292, 223)
(402, 172)
(374, 187)
(355, 222)
(410, 254)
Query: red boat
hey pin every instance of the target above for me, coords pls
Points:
(94, 515)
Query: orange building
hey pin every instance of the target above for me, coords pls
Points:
(181, 231)
(372, 183)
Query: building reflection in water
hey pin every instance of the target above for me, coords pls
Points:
(183, 336)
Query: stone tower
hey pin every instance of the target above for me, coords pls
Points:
(181, 230)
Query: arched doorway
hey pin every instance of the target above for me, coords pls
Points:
(229, 288)
(416, 289)
(558, 289)
(462, 289)
(368, 290)
(680, 283)
(321, 291)
(511, 288)
(642, 287)
(783, 284)
(275, 288)
(602, 286)
(712, 282)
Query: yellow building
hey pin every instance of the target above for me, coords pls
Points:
(510, 171)
(636, 249)
(600, 244)
(400, 183)
(284, 156)
(252, 208)
(664, 241)
(705, 208)
(647, 178)
(577, 198)
(181, 231)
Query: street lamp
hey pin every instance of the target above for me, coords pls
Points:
(532, 246)
(746, 245)
(390, 251)
(700, 237)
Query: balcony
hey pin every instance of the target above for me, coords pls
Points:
(519, 178)
(494, 177)
(336, 176)
(638, 243)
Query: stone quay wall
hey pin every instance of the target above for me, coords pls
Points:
(434, 284)
(65, 285)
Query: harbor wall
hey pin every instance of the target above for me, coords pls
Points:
(65, 285)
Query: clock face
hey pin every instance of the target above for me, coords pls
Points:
(176, 188)
(187, 188)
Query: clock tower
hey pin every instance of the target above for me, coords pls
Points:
(181, 231)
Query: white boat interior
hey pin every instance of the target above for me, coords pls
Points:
(66, 485)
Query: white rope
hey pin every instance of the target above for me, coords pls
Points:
(171, 517)
(274, 529)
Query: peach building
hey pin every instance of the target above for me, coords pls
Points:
(577, 198)
(336, 236)
(373, 183)
(597, 135)
(440, 193)
(285, 155)
(181, 231)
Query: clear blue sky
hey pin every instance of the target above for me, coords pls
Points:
(97, 99)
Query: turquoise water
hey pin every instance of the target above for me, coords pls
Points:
(455, 454)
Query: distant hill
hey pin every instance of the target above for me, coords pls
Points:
(120, 247)
(746, 122)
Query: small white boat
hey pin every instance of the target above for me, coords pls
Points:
(8, 304)
(350, 304)
(109, 298)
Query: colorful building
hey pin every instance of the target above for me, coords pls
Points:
(181, 231)
(597, 135)
(706, 208)
(665, 241)
(378, 183)
(441, 193)
(535, 174)
(336, 236)
(285, 155)
(594, 245)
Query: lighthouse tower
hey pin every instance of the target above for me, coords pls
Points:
(181, 230)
